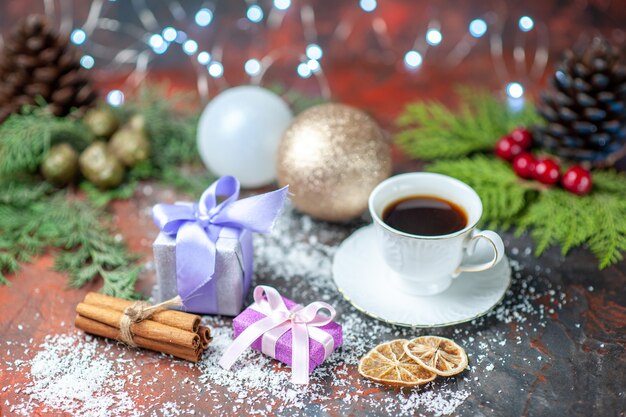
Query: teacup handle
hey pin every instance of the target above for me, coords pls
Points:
(498, 251)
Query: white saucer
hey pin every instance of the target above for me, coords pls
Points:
(364, 279)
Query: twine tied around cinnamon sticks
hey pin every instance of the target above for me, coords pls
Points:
(139, 311)
(151, 327)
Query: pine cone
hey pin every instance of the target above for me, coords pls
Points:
(38, 62)
(585, 109)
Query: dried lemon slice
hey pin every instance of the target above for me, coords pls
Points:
(437, 354)
(389, 364)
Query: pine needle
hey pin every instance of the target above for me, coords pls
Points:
(25, 139)
(32, 221)
(597, 220)
(608, 242)
(101, 198)
(432, 131)
(557, 217)
(171, 130)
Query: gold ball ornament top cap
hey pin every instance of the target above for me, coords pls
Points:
(332, 156)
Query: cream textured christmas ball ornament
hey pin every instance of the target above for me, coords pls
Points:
(332, 156)
(238, 134)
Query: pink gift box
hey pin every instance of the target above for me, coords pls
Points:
(284, 343)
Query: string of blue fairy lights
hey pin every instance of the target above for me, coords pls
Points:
(153, 39)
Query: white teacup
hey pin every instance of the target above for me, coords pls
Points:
(426, 265)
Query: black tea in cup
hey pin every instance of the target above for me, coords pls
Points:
(425, 215)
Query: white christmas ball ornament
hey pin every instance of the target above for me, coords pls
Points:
(239, 131)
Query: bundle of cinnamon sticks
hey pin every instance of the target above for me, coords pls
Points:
(169, 331)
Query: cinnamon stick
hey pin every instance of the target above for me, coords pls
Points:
(205, 336)
(147, 328)
(100, 329)
(173, 318)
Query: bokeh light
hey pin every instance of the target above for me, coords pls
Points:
(204, 58)
(413, 59)
(282, 4)
(477, 28)
(87, 62)
(313, 65)
(514, 90)
(368, 5)
(314, 51)
(303, 70)
(526, 24)
(216, 69)
(115, 98)
(190, 47)
(78, 36)
(434, 37)
(254, 13)
(169, 34)
(204, 17)
(252, 67)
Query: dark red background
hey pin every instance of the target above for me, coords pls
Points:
(365, 74)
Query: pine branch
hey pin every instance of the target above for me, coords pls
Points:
(91, 250)
(20, 192)
(609, 181)
(598, 220)
(558, 217)
(608, 205)
(117, 282)
(25, 139)
(23, 143)
(433, 131)
(608, 242)
(171, 130)
(174, 140)
(101, 198)
(28, 227)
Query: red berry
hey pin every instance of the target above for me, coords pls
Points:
(547, 171)
(577, 180)
(507, 149)
(524, 165)
(522, 137)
